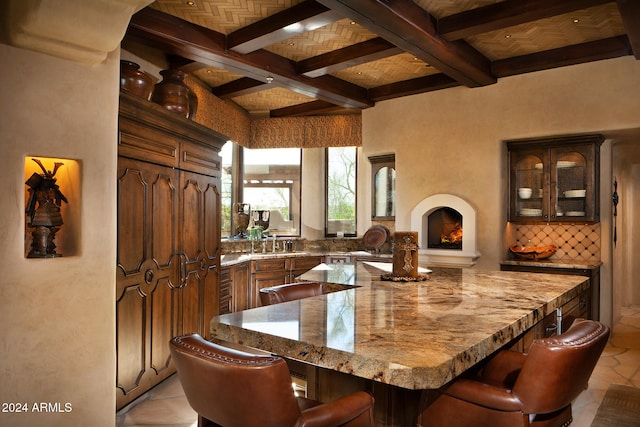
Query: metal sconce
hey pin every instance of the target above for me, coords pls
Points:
(43, 211)
(615, 200)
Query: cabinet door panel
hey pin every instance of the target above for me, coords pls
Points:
(164, 304)
(226, 295)
(190, 294)
(240, 290)
(147, 271)
(200, 236)
(130, 341)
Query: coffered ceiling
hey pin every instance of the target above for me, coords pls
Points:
(303, 57)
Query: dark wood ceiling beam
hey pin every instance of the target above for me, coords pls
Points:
(305, 109)
(630, 12)
(349, 56)
(239, 87)
(412, 87)
(570, 55)
(303, 17)
(505, 14)
(411, 28)
(178, 37)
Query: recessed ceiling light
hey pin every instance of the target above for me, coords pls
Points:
(576, 20)
(291, 44)
(353, 22)
(508, 36)
(191, 3)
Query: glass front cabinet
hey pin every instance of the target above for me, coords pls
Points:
(554, 179)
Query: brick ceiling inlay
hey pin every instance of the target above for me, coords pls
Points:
(224, 16)
(345, 80)
(550, 33)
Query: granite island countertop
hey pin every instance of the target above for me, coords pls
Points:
(552, 263)
(415, 335)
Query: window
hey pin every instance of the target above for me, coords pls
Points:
(340, 192)
(272, 179)
(226, 190)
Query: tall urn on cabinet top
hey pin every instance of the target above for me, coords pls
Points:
(174, 95)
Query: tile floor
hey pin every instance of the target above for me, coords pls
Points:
(166, 405)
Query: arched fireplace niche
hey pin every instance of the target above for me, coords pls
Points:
(446, 226)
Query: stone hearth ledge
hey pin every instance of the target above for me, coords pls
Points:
(415, 335)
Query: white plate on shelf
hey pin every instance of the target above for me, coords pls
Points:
(575, 213)
(561, 164)
(575, 193)
(530, 212)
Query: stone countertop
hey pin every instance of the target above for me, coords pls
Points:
(235, 258)
(550, 263)
(415, 335)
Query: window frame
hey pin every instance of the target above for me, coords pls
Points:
(295, 199)
(326, 193)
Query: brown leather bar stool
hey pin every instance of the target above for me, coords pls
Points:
(290, 292)
(232, 388)
(522, 389)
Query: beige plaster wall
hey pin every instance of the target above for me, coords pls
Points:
(57, 344)
(626, 271)
(451, 141)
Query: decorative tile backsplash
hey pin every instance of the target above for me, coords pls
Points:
(575, 242)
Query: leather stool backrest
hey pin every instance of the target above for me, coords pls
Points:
(290, 292)
(233, 388)
(557, 369)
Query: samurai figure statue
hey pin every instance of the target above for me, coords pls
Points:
(43, 211)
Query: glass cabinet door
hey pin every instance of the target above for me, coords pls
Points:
(529, 171)
(571, 184)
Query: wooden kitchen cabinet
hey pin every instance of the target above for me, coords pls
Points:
(590, 307)
(556, 322)
(554, 179)
(234, 288)
(277, 271)
(168, 239)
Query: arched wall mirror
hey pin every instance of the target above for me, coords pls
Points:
(383, 185)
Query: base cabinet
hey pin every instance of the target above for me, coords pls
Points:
(277, 271)
(593, 302)
(234, 288)
(168, 239)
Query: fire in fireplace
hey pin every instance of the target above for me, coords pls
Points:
(444, 229)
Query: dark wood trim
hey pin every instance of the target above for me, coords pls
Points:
(350, 56)
(306, 109)
(505, 14)
(630, 12)
(281, 26)
(412, 87)
(238, 87)
(585, 52)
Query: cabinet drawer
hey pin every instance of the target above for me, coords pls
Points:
(138, 141)
(269, 265)
(306, 263)
(200, 159)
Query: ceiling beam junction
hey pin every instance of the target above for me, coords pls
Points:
(301, 18)
(346, 57)
(178, 37)
(411, 28)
